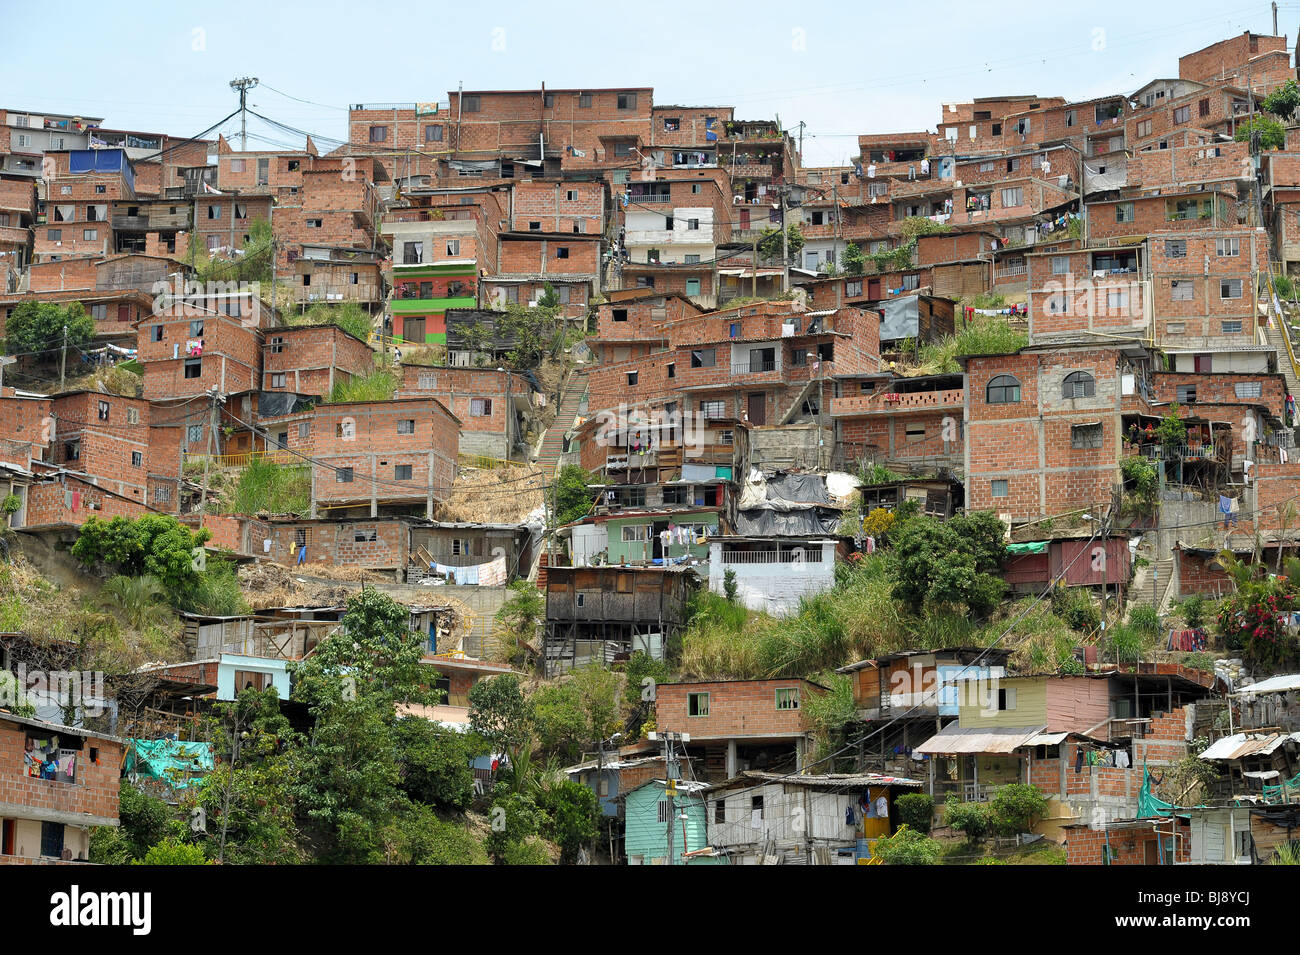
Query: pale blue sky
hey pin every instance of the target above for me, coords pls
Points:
(161, 67)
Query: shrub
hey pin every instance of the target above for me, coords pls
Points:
(1193, 609)
(1015, 807)
(1126, 644)
(572, 814)
(972, 819)
(1145, 620)
(907, 847)
(729, 586)
(171, 851)
(1076, 608)
(916, 810)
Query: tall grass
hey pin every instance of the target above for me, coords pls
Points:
(274, 488)
(349, 316)
(380, 385)
(986, 335)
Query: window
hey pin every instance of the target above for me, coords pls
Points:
(402, 472)
(365, 535)
(52, 839)
(90, 235)
(194, 434)
(1203, 108)
(636, 532)
(1085, 437)
(54, 235)
(1176, 248)
(304, 429)
(1248, 389)
(1007, 699)
(1232, 327)
(632, 378)
(412, 253)
(1003, 389)
(193, 367)
(314, 223)
(998, 488)
(1060, 265)
(1124, 212)
(480, 407)
(132, 415)
(1144, 128)
(214, 212)
(1182, 114)
(1229, 288)
(99, 312)
(1071, 116)
(343, 476)
(562, 252)
(713, 409)
(627, 101)
(406, 426)
(1116, 299)
(619, 315)
(103, 410)
(1078, 384)
(696, 188)
(433, 134)
(1227, 247)
(162, 494)
(704, 358)
(1013, 164)
(787, 698)
(277, 344)
(1186, 394)
(911, 282)
(1175, 328)
(584, 101)
(277, 379)
(137, 459)
(697, 704)
(1180, 290)
(453, 246)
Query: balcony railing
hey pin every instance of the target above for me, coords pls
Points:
(754, 367)
(649, 197)
(892, 402)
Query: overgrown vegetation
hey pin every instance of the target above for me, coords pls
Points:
(349, 316)
(380, 385)
(266, 487)
(35, 330)
(984, 335)
(573, 494)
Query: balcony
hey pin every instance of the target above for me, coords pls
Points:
(891, 402)
(754, 367)
(648, 197)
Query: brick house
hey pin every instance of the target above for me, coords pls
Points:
(58, 783)
(311, 359)
(489, 402)
(190, 346)
(1044, 427)
(398, 454)
(104, 438)
(904, 422)
(82, 189)
(737, 725)
(529, 261)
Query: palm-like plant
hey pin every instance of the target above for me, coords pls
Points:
(139, 601)
(1239, 570)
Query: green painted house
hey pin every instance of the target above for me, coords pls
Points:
(423, 293)
(637, 537)
(645, 831)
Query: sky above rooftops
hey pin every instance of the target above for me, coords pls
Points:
(842, 71)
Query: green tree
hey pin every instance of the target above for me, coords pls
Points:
(573, 494)
(248, 797)
(853, 260)
(155, 544)
(349, 786)
(499, 712)
(907, 847)
(769, 243)
(517, 622)
(37, 327)
(949, 565)
(572, 814)
(1271, 133)
(1284, 101)
(172, 851)
(1015, 807)
(435, 763)
(514, 818)
(972, 819)
(417, 836)
(916, 811)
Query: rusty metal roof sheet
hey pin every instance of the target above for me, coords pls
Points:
(1242, 745)
(992, 739)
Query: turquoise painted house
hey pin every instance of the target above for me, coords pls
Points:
(645, 830)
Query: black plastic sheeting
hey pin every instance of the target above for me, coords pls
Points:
(799, 488)
(764, 522)
(272, 404)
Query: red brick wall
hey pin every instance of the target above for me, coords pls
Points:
(95, 791)
(106, 446)
(46, 503)
(231, 358)
(307, 355)
(548, 203)
(739, 708)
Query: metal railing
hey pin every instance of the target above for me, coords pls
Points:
(243, 459)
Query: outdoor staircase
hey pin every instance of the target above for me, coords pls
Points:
(1276, 337)
(1139, 592)
(552, 446)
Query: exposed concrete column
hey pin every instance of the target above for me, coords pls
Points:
(428, 500)
(374, 487)
(731, 758)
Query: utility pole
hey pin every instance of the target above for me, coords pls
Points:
(1275, 17)
(670, 790)
(785, 246)
(216, 400)
(753, 285)
(63, 361)
(243, 84)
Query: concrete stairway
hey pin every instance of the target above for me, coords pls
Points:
(553, 441)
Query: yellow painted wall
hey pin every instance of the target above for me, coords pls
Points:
(1031, 703)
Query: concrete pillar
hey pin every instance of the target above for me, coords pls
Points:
(731, 758)
(374, 488)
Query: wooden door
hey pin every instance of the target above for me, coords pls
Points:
(758, 408)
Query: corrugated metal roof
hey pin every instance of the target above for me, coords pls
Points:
(992, 739)
(1274, 684)
(1242, 745)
